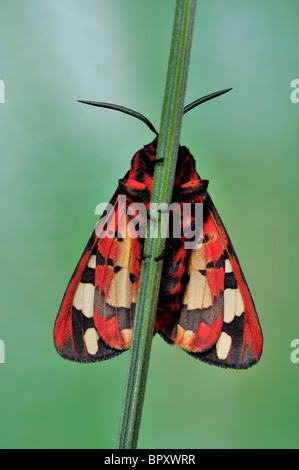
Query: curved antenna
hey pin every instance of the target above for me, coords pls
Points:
(142, 118)
(204, 99)
(122, 109)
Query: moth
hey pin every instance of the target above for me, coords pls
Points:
(204, 305)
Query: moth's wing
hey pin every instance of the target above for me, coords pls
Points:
(116, 287)
(200, 319)
(240, 342)
(76, 335)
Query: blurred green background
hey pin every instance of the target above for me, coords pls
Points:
(59, 159)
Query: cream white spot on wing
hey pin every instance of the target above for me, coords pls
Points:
(183, 338)
(91, 340)
(233, 304)
(122, 293)
(119, 294)
(228, 266)
(197, 293)
(197, 259)
(92, 262)
(88, 297)
(127, 336)
(223, 345)
(83, 299)
(77, 302)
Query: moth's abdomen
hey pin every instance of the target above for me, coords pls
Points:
(173, 282)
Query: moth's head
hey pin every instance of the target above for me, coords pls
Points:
(145, 160)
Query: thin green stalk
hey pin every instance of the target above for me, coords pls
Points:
(167, 150)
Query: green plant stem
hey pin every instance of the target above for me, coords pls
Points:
(150, 277)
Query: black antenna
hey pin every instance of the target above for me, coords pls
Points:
(122, 109)
(142, 118)
(204, 99)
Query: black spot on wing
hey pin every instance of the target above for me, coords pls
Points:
(78, 331)
(220, 262)
(125, 317)
(190, 319)
(100, 260)
(88, 276)
(230, 281)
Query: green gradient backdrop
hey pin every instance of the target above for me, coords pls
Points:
(59, 159)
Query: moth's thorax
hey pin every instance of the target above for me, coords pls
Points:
(144, 161)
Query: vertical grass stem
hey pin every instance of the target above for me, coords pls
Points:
(167, 150)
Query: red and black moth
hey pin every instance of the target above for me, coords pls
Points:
(204, 307)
